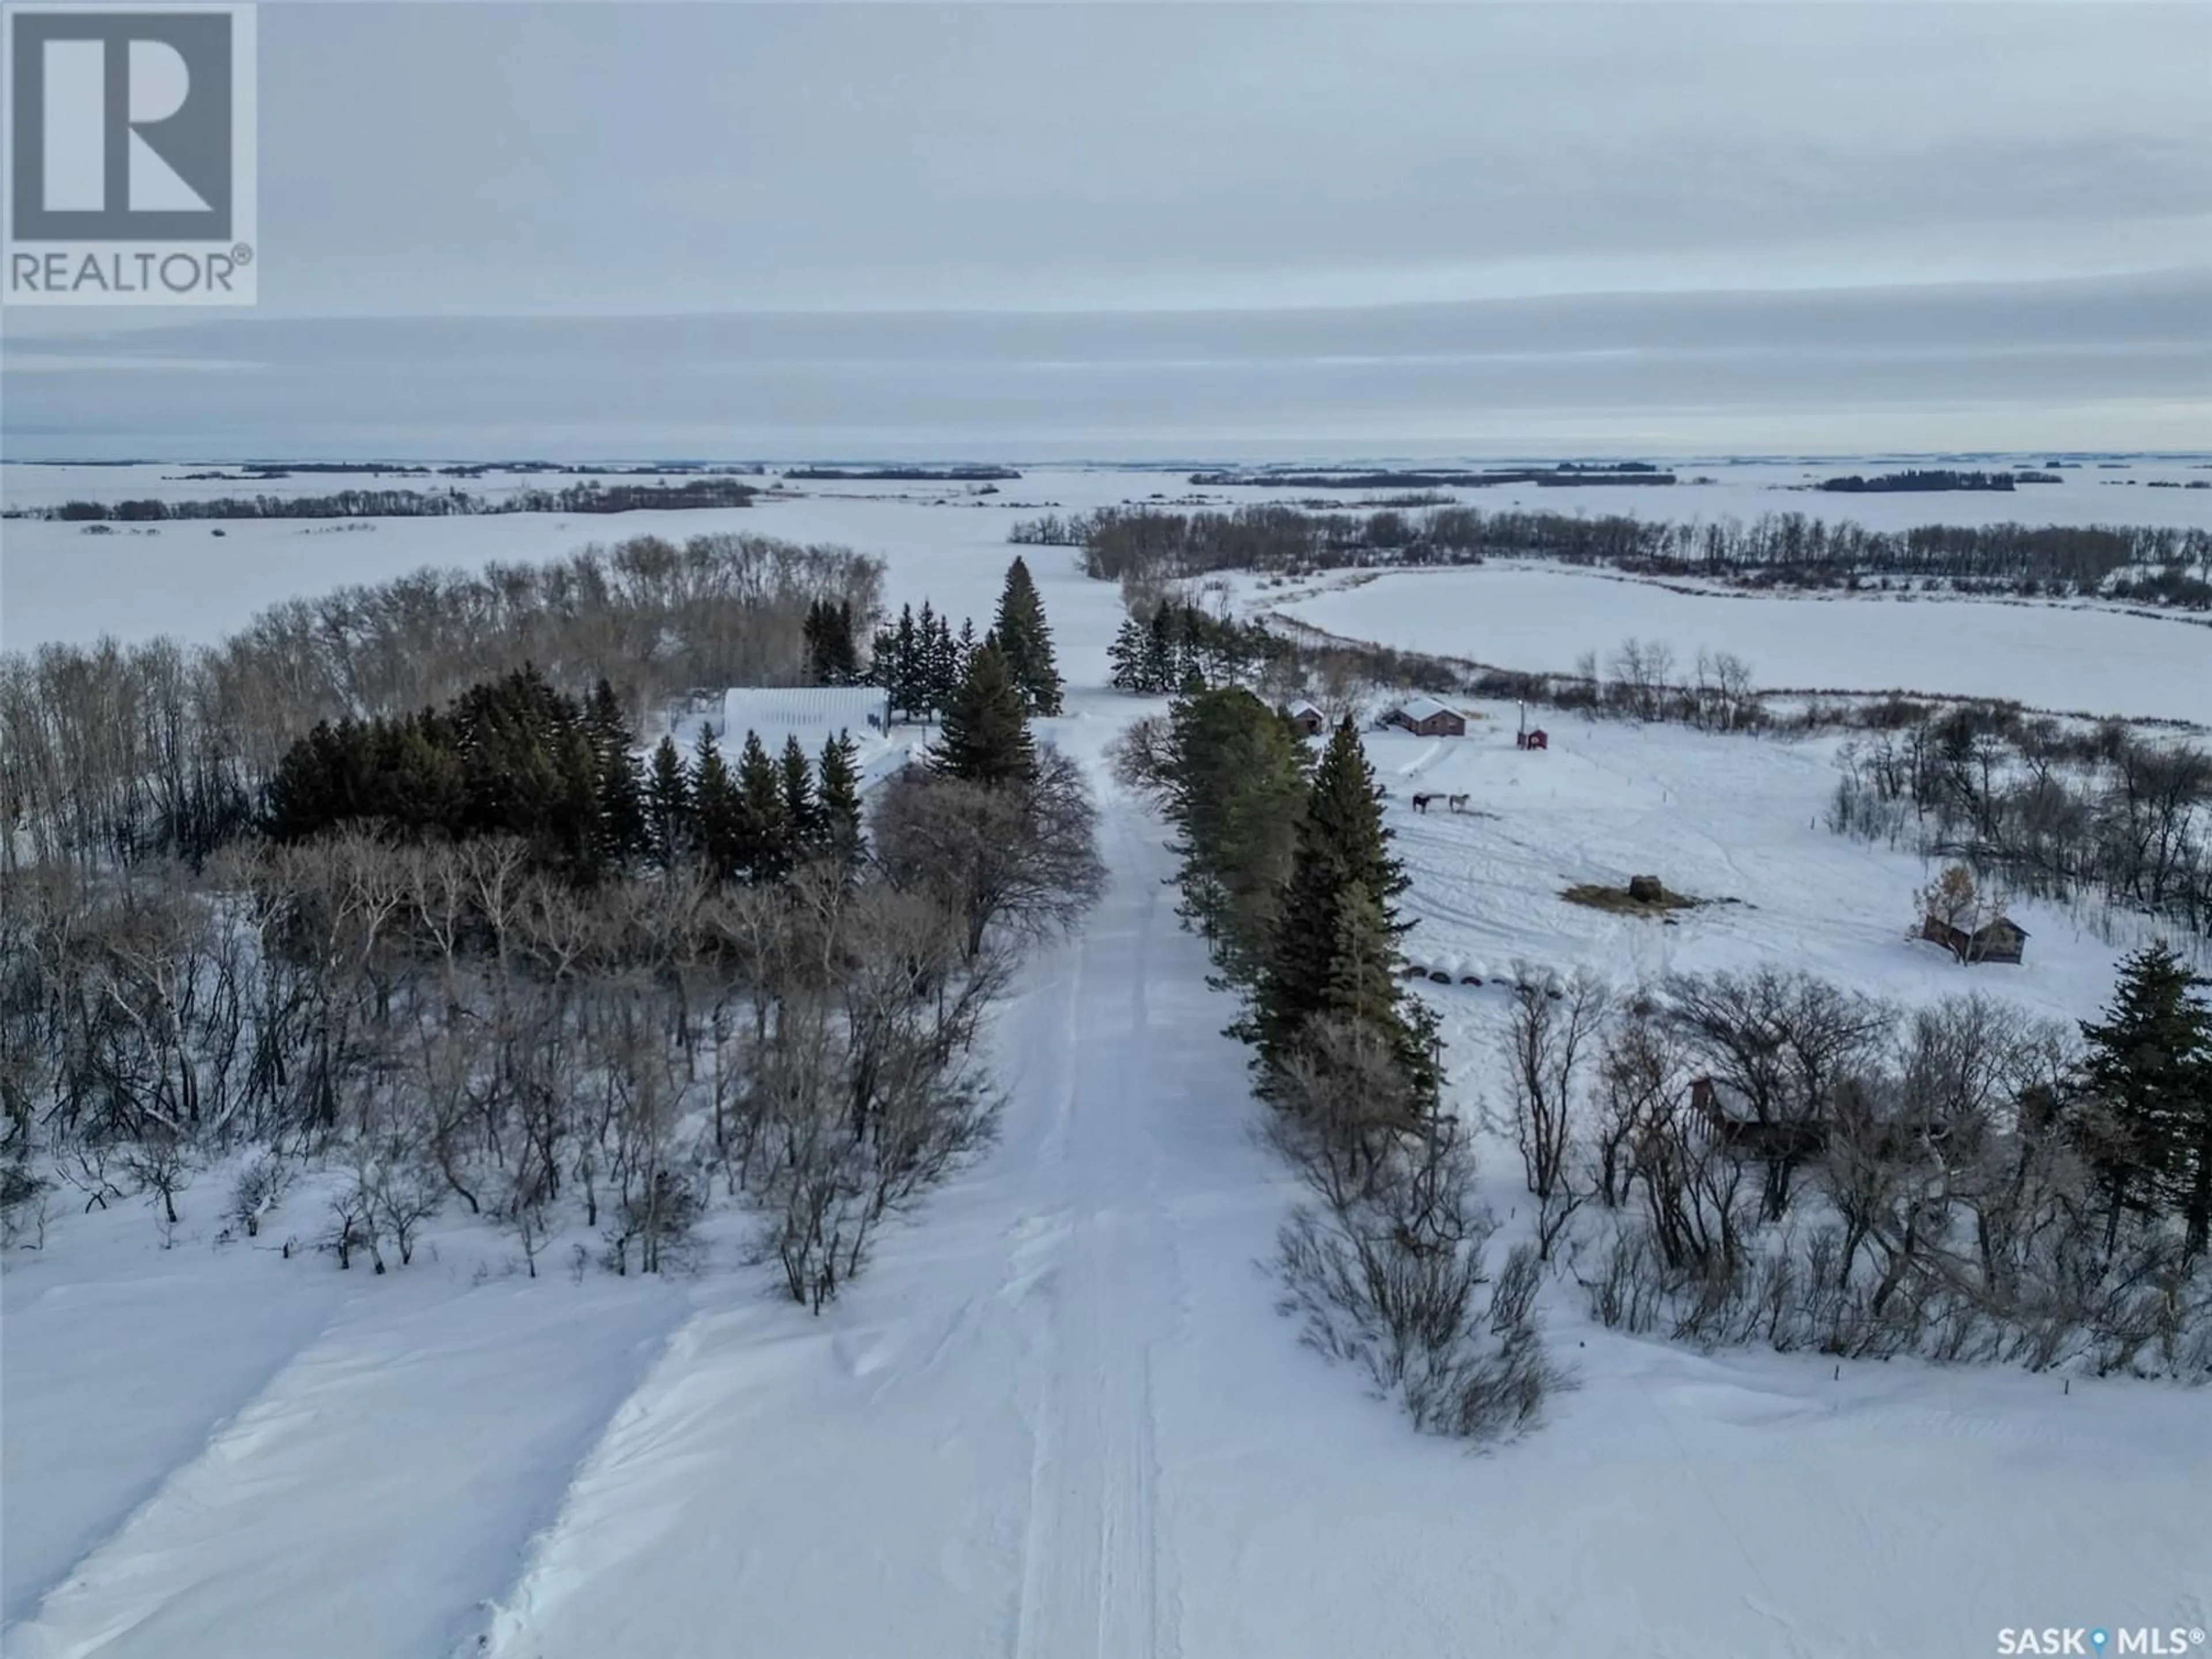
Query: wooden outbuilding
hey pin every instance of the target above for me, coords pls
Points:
(2001, 939)
(1306, 718)
(1424, 717)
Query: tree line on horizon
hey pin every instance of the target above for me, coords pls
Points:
(2157, 564)
(588, 497)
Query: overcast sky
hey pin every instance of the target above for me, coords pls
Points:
(1776, 226)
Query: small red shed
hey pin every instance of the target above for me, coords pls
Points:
(1534, 738)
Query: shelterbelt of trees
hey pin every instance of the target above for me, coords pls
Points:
(588, 497)
(476, 954)
(113, 754)
(2149, 564)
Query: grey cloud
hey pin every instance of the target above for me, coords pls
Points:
(1222, 213)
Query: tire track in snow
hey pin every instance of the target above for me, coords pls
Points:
(450, 1410)
(1091, 1578)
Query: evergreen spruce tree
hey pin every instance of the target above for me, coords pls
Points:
(621, 835)
(1342, 861)
(668, 807)
(897, 665)
(1237, 789)
(883, 653)
(768, 846)
(1161, 669)
(1025, 641)
(985, 735)
(844, 647)
(939, 666)
(1364, 991)
(801, 811)
(528, 768)
(838, 806)
(832, 653)
(718, 811)
(815, 633)
(1181, 647)
(1127, 655)
(2149, 1071)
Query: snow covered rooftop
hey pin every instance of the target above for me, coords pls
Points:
(1420, 708)
(813, 713)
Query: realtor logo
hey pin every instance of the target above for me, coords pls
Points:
(130, 170)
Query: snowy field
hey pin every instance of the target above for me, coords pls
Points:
(2070, 659)
(1059, 1417)
(1722, 818)
(59, 583)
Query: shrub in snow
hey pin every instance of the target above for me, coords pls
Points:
(22, 1204)
(1394, 1280)
(1388, 1267)
(260, 1187)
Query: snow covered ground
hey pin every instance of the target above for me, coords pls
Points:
(59, 583)
(2071, 659)
(1731, 819)
(1059, 1417)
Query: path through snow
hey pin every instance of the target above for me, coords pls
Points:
(1059, 1418)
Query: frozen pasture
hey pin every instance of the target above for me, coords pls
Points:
(1736, 821)
(2068, 657)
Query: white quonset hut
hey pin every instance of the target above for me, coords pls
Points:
(813, 713)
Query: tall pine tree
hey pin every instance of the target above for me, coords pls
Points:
(1127, 656)
(1342, 886)
(2149, 1072)
(622, 835)
(937, 666)
(668, 807)
(1025, 641)
(845, 647)
(1162, 649)
(1237, 790)
(985, 735)
(838, 805)
(768, 846)
(718, 811)
(801, 811)
(832, 653)
(898, 666)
